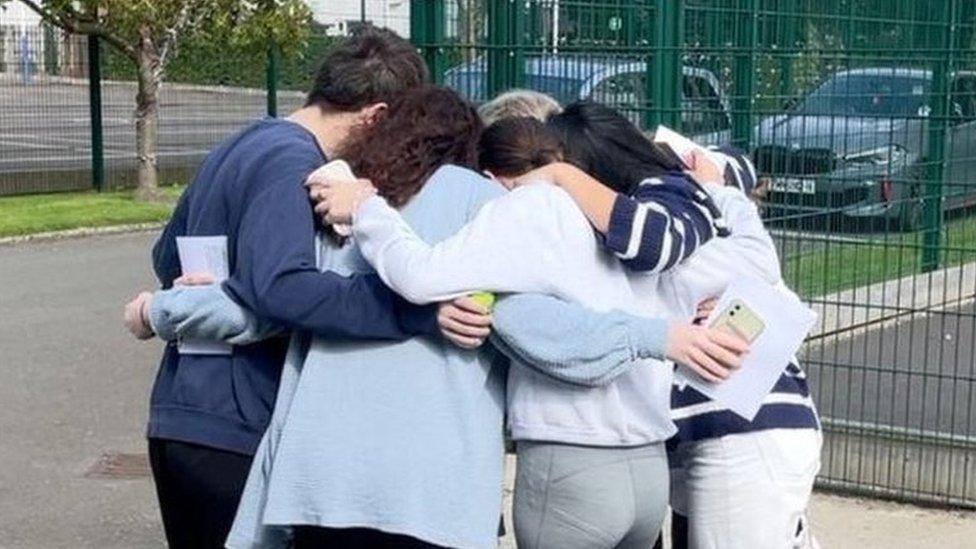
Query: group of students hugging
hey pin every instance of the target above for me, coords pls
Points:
(368, 397)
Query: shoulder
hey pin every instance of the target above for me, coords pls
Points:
(464, 182)
(463, 187)
(278, 144)
(541, 203)
(277, 153)
(542, 192)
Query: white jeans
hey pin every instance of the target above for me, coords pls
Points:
(747, 491)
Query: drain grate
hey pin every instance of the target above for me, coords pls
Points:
(119, 466)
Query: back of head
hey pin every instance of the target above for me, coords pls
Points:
(517, 104)
(513, 146)
(424, 129)
(373, 65)
(602, 142)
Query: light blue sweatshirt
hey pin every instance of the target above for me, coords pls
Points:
(404, 437)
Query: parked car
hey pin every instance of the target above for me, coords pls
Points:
(857, 146)
(616, 81)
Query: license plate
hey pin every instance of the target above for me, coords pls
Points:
(795, 185)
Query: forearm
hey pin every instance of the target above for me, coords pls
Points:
(206, 313)
(571, 343)
(666, 221)
(498, 251)
(277, 277)
(330, 305)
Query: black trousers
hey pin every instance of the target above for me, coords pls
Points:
(310, 537)
(198, 490)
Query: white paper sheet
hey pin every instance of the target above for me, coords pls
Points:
(203, 254)
(682, 146)
(787, 323)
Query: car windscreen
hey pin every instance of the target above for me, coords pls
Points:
(867, 95)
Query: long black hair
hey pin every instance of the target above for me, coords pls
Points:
(603, 143)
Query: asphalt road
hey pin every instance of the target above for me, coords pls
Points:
(918, 374)
(74, 387)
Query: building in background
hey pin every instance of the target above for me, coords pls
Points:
(339, 16)
(19, 29)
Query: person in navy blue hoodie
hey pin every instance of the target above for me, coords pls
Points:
(208, 412)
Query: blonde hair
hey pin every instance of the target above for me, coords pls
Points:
(519, 103)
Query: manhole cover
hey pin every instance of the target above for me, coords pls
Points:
(117, 465)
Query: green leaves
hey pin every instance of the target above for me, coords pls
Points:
(162, 24)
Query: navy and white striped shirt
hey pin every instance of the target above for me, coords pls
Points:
(663, 223)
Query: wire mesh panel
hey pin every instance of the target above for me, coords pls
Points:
(44, 124)
(209, 92)
(860, 116)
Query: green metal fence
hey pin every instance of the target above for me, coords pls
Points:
(47, 142)
(860, 115)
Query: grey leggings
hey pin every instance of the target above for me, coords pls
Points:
(587, 497)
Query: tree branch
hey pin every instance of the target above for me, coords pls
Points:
(74, 22)
(171, 41)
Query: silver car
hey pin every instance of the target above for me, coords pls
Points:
(615, 81)
(856, 146)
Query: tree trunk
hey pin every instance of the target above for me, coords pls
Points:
(147, 119)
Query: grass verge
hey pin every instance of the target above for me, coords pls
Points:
(825, 264)
(831, 265)
(31, 214)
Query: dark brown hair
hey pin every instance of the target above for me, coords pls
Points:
(424, 129)
(513, 146)
(373, 65)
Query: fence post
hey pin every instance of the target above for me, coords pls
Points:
(936, 151)
(499, 41)
(50, 50)
(427, 34)
(744, 74)
(95, 112)
(271, 79)
(665, 72)
(516, 57)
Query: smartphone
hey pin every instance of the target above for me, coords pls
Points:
(740, 320)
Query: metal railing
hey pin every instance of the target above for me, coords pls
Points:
(861, 117)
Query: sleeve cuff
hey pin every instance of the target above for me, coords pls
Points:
(649, 338)
(368, 206)
(158, 317)
(618, 234)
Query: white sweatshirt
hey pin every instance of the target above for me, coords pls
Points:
(535, 239)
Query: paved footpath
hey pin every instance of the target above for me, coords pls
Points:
(74, 386)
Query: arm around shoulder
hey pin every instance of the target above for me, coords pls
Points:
(571, 343)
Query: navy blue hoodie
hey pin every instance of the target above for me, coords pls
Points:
(250, 189)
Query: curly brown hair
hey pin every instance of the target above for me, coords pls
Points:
(423, 129)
